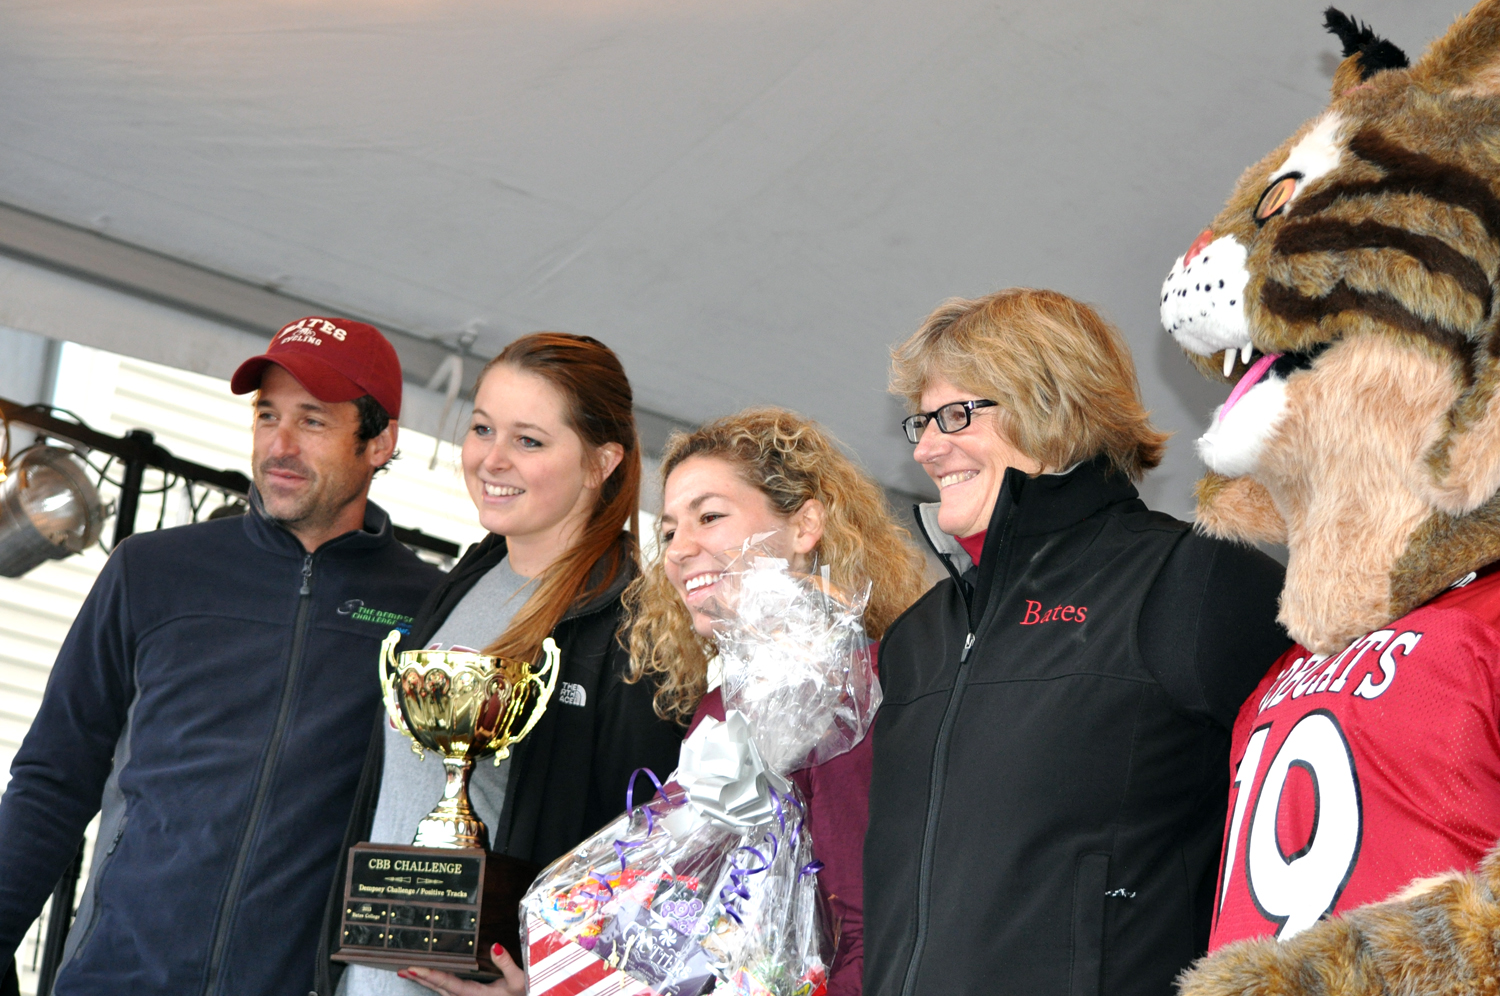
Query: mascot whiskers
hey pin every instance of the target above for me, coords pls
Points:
(1348, 291)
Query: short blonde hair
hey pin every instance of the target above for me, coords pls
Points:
(1061, 375)
(789, 459)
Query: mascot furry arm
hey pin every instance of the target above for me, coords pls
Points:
(1348, 289)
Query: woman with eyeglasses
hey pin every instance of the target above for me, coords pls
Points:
(1051, 760)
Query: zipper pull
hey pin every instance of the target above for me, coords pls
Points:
(307, 576)
(968, 646)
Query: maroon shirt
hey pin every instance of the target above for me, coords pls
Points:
(838, 811)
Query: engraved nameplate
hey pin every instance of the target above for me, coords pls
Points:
(415, 878)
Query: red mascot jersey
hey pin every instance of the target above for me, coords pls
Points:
(1354, 774)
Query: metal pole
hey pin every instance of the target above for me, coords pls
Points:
(130, 486)
(59, 920)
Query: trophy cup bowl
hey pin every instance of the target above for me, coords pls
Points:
(441, 901)
(466, 707)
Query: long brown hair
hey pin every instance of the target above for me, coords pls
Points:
(600, 408)
(789, 459)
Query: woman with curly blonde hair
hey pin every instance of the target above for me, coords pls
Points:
(767, 470)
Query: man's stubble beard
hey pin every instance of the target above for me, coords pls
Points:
(314, 509)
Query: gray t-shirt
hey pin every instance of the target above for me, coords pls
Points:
(410, 787)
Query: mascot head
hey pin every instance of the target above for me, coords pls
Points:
(1348, 291)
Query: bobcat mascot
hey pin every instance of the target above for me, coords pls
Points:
(1348, 290)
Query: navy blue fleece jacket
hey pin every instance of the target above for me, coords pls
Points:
(214, 698)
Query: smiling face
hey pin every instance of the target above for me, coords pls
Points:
(311, 469)
(530, 475)
(709, 510)
(968, 466)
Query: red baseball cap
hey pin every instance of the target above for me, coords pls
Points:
(334, 358)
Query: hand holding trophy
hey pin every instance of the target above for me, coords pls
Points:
(443, 901)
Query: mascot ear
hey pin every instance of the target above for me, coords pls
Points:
(1465, 62)
(1365, 52)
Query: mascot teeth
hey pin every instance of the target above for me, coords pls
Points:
(1244, 357)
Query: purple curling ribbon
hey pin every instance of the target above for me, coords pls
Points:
(780, 810)
(622, 846)
(736, 888)
(801, 819)
(812, 867)
(630, 796)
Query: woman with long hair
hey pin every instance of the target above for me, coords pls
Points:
(552, 463)
(770, 471)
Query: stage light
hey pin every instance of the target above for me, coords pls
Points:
(48, 509)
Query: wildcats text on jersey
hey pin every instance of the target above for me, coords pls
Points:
(1357, 772)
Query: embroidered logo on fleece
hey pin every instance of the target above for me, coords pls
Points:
(358, 611)
(1058, 613)
(571, 694)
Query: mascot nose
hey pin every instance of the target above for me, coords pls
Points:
(1199, 244)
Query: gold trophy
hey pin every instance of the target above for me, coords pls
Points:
(441, 902)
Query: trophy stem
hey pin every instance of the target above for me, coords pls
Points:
(453, 822)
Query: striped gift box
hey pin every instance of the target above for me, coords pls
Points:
(557, 966)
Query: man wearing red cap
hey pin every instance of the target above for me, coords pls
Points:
(212, 701)
(312, 369)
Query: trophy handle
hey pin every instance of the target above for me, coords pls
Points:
(544, 689)
(388, 676)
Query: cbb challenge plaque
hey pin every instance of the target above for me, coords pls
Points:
(408, 906)
(443, 901)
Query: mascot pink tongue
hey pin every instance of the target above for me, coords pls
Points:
(1366, 248)
(1252, 377)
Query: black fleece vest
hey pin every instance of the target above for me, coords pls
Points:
(1036, 797)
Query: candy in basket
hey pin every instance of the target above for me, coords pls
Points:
(713, 885)
(669, 901)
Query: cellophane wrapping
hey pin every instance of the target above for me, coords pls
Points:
(713, 885)
(795, 660)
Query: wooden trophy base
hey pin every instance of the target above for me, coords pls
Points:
(432, 907)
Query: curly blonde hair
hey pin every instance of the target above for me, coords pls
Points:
(790, 459)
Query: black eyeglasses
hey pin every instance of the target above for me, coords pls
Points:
(950, 418)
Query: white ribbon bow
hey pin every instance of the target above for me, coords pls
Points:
(724, 777)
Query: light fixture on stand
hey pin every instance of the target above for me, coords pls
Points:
(49, 509)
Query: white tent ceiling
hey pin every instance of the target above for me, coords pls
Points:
(749, 199)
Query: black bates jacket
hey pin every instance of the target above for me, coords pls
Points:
(568, 778)
(1051, 760)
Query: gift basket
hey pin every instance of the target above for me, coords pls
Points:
(713, 884)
